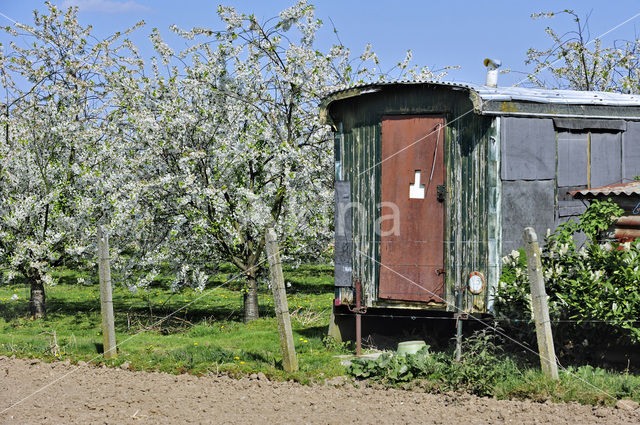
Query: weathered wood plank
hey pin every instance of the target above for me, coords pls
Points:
(106, 296)
(289, 358)
(539, 305)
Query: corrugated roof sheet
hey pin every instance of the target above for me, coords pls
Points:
(537, 95)
(570, 97)
(629, 189)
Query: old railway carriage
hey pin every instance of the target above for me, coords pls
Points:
(435, 182)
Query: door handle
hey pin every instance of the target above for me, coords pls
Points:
(440, 193)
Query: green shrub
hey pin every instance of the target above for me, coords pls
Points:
(597, 282)
(480, 369)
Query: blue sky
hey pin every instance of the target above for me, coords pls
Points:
(439, 33)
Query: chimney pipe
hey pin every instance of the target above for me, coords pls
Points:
(492, 71)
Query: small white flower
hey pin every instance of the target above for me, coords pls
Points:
(596, 275)
(564, 248)
(14, 297)
(583, 252)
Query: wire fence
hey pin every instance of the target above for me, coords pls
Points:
(454, 307)
(500, 332)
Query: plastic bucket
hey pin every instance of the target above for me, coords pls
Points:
(410, 347)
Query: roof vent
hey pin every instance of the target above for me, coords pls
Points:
(492, 71)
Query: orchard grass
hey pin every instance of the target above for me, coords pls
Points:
(205, 336)
(208, 336)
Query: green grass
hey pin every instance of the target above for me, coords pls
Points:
(207, 335)
(585, 384)
(485, 370)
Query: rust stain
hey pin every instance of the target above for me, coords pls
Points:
(416, 252)
(629, 221)
(626, 235)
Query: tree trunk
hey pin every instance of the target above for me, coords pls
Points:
(36, 304)
(251, 296)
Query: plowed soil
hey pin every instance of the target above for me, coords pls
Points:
(92, 395)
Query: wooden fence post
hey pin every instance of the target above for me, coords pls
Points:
(289, 359)
(106, 296)
(539, 305)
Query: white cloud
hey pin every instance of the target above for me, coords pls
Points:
(106, 6)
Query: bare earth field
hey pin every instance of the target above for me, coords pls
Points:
(91, 395)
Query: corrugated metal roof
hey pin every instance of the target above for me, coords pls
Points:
(515, 101)
(629, 189)
(570, 97)
(537, 95)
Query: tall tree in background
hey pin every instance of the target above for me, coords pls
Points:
(53, 150)
(577, 62)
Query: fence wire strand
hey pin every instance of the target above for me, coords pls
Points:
(498, 331)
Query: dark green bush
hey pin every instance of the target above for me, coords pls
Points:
(480, 369)
(599, 281)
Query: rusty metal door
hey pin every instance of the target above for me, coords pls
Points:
(413, 178)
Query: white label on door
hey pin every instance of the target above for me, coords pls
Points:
(416, 190)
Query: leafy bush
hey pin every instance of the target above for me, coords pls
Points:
(480, 369)
(598, 281)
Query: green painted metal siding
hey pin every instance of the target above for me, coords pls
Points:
(472, 181)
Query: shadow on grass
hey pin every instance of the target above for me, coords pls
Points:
(313, 332)
(267, 358)
(14, 310)
(298, 287)
(305, 279)
(167, 317)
